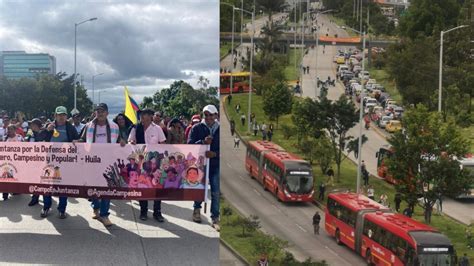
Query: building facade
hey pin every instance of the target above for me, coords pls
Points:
(19, 64)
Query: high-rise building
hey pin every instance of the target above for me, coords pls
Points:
(19, 64)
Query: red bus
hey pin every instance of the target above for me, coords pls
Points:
(240, 82)
(383, 237)
(284, 174)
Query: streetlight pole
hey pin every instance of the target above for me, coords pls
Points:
(361, 13)
(296, 49)
(361, 114)
(75, 57)
(241, 22)
(93, 77)
(440, 90)
(251, 65)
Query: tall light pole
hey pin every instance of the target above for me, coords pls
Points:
(361, 114)
(440, 90)
(93, 77)
(361, 12)
(75, 56)
(296, 49)
(251, 64)
(241, 22)
(232, 57)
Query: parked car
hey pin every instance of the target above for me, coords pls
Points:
(384, 120)
(393, 126)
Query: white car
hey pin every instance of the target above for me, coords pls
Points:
(364, 75)
(384, 120)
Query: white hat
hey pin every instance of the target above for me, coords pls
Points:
(210, 108)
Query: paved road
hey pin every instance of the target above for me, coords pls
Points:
(291, 222)
(460, 211)
(25, 238)
(228, 258)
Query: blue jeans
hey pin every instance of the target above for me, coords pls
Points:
(103, 205)
(214, 181)
(48, 201)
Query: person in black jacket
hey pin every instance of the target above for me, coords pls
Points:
(59, 131)
(207, 133)
(316, 220)
(37, 134)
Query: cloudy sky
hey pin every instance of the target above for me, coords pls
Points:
(145, 45)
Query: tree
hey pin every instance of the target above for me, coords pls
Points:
(248, 224)
(341, 117)
(271, 6)
(324, 154)
(227, 212)
(353, 145)
(269, 245)
(424, 160)
(277, 101)
(428, 18)
(40, 96)
(412, 64)
(182, 99)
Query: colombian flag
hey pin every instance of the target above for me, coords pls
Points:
(131, 107)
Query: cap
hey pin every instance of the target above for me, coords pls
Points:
(196, 118)
(36, 121)
(147, 111)
(102, 106)
(60, 110)
(210, 108)
(75, 112)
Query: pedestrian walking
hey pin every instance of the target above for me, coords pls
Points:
(322, 189)
(304, 70)
(407, 212)
(255, 128)
(232, 127)
(229, 99)
(398, 200)
(316, 220)
(101, 130)
(252, 117)
(270, 135)
(237, 107)
(307, 69)
(236, 142)
(242, 119)
(330, 174)
(365, 173)
(263, 261)
(383, 199)
(464, 261)
(263, 128)
(59, 131)
(147, 132)
(439, 203)
(207, 133)
(371, 192)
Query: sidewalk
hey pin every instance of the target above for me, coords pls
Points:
(28, 239)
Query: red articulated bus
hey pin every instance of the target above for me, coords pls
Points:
(284, 174)
(383, 237)
(240, 82)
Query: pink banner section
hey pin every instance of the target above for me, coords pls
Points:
(161, 171)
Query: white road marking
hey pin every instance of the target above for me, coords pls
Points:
(241, 177)
(332, 251)
(276, 208)
(230, 166)
(301, 228)
(258, 193)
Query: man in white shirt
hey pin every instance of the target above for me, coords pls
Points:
(147, 132)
